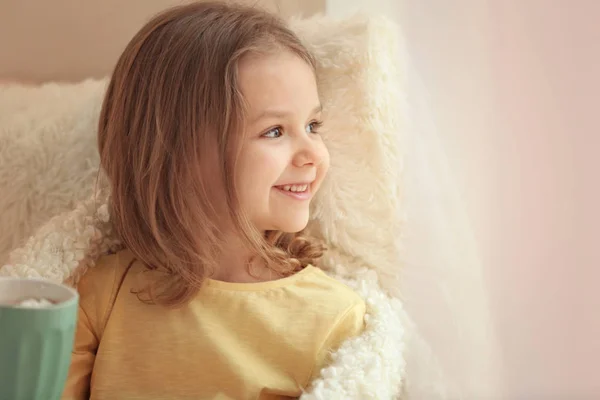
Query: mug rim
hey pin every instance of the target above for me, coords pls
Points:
(73, 294)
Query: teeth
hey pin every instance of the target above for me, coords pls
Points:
(295, 188)
(299, 188)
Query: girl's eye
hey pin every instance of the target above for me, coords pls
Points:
(313, 127)
(273, 133)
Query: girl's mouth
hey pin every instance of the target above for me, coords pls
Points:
(300, 191)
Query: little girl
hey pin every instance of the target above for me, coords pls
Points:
(209, 135)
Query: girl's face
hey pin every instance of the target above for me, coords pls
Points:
(283, 159)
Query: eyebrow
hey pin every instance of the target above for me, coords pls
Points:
(274, 113)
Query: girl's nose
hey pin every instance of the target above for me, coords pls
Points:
(308, 151)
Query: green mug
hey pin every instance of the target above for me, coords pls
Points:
(37, 331)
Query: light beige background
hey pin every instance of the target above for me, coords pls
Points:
(515, 92)
(70, 40)
(515, 88)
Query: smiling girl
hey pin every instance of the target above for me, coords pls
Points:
(209, 135)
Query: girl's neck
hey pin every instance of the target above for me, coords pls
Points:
(234, 265)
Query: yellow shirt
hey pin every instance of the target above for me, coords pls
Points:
(233, 341)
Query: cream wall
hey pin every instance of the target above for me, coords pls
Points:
(515, 89)
(70, 40)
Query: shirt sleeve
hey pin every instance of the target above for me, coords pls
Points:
(82, 359)
(95, 292)
(350, 324)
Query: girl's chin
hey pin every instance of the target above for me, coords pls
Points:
(289, 226)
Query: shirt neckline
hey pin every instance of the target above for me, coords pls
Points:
(258, 286)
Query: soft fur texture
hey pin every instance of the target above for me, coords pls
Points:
(48, 154)
(48, 160)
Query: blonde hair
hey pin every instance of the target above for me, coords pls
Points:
(169, 136)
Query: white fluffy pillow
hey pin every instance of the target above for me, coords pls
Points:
(48, 155)
(49, 160)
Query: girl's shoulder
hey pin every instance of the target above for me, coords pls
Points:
(99, 285)
(108, 269)
(333, 287)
